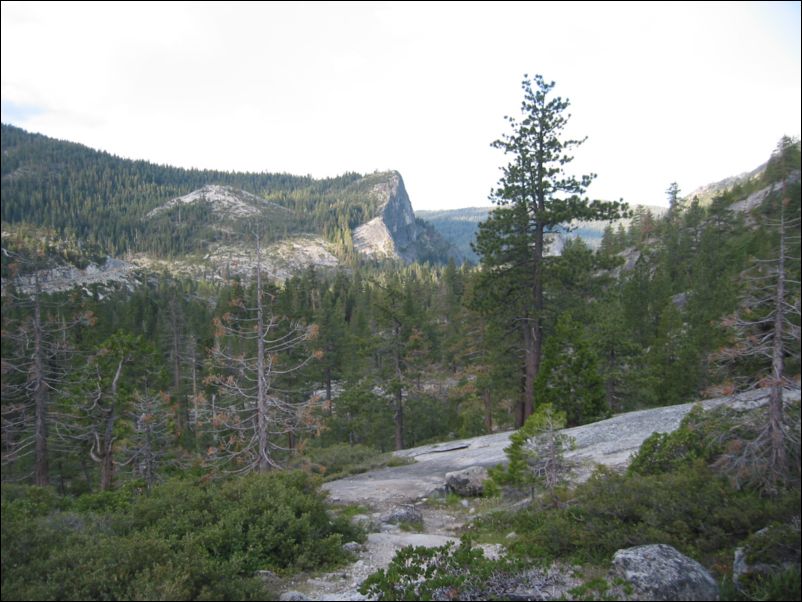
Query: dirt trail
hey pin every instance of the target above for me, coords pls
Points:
(608, 442)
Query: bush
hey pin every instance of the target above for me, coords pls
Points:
(443, 573)
(782, 585)
(536, 452)
(694, 439)
(723, 438)
(184, 541)
(694, 510)
(341, 459)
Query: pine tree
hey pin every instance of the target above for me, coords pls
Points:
(535, 195)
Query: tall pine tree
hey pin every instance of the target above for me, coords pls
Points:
(535, 196)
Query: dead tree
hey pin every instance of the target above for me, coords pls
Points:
(767, 327)
(252, 417)
(36, 361)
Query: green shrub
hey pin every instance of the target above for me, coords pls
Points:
(343, 459)
(536, 452)
(694, 439)
(184, 541)
(694, 510)
(782, 585)
(446, 572)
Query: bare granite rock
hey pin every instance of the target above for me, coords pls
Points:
(391, 234)
(608, 443)
(660, 572)
(467, 482)
(403, 514)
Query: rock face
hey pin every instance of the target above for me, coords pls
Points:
(394, 232)
(224, 201)
(659, 572)
(467, 482)
(63, 278)
(292, 596)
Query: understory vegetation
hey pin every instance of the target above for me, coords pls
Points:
(187, 539)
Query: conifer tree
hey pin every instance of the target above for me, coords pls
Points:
(535, 195)
(570, 379)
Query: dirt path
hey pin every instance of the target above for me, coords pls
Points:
(608, 442)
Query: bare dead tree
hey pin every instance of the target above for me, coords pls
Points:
(36, 361)
(252, 417)
(768, 330)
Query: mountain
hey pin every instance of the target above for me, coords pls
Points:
(204, 219)
(705, 194)
(459, 227)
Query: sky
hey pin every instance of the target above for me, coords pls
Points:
(686, 92)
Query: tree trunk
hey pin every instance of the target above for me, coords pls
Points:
(488, 403)
(107, 451)
(776, 431)
(399, 393)
(41, 468)
(263, 463)
(527, 403)
(182, 409)
(534, 347)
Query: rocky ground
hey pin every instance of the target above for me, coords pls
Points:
(608, 442)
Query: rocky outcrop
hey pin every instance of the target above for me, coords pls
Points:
(756, 198)
(660, 572)
(64, 278)
(279, 260)
(224, 201)
(292, 596)
(393, 233)
(608, 442)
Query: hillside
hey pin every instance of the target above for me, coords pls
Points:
(135, 207)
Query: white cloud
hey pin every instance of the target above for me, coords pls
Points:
(687, 92)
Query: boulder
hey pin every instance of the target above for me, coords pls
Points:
(659, 572)
(403, 514)
(269, 577)
(470, 481)
(352, 547)
(770, 550)
(292, 597)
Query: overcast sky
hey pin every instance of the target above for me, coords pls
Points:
(667, 92)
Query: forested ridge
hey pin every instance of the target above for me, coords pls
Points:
(103, 199)
(119, 404)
